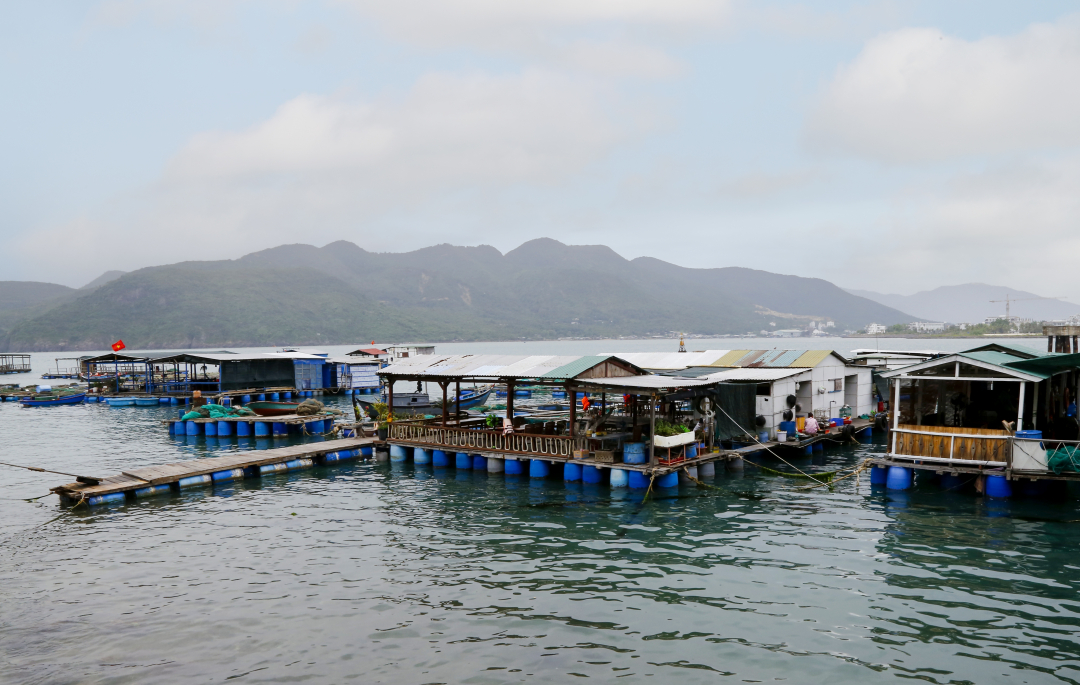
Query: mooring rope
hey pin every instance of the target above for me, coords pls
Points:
(800, 471)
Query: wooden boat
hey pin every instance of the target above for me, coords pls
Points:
(420, 403)
(273, 408)
(52, 400)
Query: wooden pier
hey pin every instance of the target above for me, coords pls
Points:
(153, 480)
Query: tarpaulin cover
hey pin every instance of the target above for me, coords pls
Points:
(739, 401)
(257, 373)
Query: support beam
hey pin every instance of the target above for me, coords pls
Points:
(457, 403)
(571, 394)
(390, 397)
(1020, 416)
(445, 407)
(510, 401)
(652, 430)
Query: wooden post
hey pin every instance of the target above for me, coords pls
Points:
(445, 408)
(457, 403)
(390, 397)
(1020, 416)
(510, 401)
(895, 411)
(571, 393)
(652, 430)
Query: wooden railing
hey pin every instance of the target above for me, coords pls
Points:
(949, 442)
(466, 440)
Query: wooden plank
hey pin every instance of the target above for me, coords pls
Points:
(171, 473)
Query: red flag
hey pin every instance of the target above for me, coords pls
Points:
(118, 345)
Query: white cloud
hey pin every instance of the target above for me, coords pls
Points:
(446, 153)
(918, 95)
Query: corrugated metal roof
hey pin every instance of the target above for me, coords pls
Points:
(751, 357)
(730, 358)
(668, 361)
(811, 358)
(1010, 365)
(993, 357)
(1020, 350)
(784, 359)
(760, 375)
(578, 366)
(651, 382)
(219, 357)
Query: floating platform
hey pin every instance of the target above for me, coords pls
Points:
(258, 426)
(153, 480)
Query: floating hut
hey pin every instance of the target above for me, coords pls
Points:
(14, 363)
(606, 443)
(1006, 412)
(217, 372)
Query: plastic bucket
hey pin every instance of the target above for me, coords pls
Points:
(781, 436)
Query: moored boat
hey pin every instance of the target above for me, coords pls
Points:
(146, 402)
(52, 400)
(120, 401)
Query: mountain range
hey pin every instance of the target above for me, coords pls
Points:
(973, 302)
(341, 294)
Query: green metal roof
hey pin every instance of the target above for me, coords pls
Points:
(1017, 350)
(1047, 365)
(576, 367)
(1002, 360)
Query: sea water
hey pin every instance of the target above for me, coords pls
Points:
(370, 573)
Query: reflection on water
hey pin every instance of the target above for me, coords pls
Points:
(421, 575)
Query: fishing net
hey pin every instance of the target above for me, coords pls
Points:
(1064, 458)
(309, 408)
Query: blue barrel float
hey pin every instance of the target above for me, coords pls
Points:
(210, 428)
(261, 397)
(572, 472)
(275, 397)
(243, 429)
(421, 456)
(288, 395)
(898, 478)
(463, 461)
(878, 475)
(512, 467)
(439, 459)
(669, 480)
(538, 468)
(285, 466)
(246, 399)
(619, 478)
(229, 474)
(591, 474)
(224, 428)
(998, 486)
(479, 463)
(281, 429)
(262, 429)
(634, 453)
(191, 428)
(638, 480)
(495, 465)
(398, 453)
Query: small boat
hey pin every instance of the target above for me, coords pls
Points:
(52, 400)
(120, 401)
(273, 408)
(418, 402)
(146, 402)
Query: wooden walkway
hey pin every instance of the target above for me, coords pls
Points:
(151, 480)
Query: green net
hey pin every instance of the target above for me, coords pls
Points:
(1064, 458)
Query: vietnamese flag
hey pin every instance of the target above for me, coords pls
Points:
(118, 345)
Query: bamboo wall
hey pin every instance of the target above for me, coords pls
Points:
(965, 448)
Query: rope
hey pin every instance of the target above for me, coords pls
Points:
(652, 477)
(800, 471)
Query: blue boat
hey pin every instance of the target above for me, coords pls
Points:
(52, 400)
(120, 401)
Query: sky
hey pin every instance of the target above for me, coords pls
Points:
(886, 146)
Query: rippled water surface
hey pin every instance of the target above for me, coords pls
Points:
(367, 573)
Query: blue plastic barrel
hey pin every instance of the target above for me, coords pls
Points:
(512, 467)
(163, 400)
(638, 481)
(634, 453)
(246, 399)
(439, 459)
(898, 478)
(479, 463)
(152, 490)
(106, 499)
(226, 401)
(191, 427)
(808, 451)
(763, 436)
(1029, 435)
(707, 470)
(243, 429)
(173, 401)
(192, 481)
(262, 429)
(998, 486)
(819, 446)
(314, 427)
(786, 426)
(229, 474)
(691, 451)
(399, 453)
(538, 468)
(619, 478)
(210, 428)
(261, 397)
(421, 456)
(281, 429)
(670, 480)
(224, 428)
(878, 475)
(463, 461)
(572, 472)
(275, 397)
(288, 395)
(367, 451)
(591, 474)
